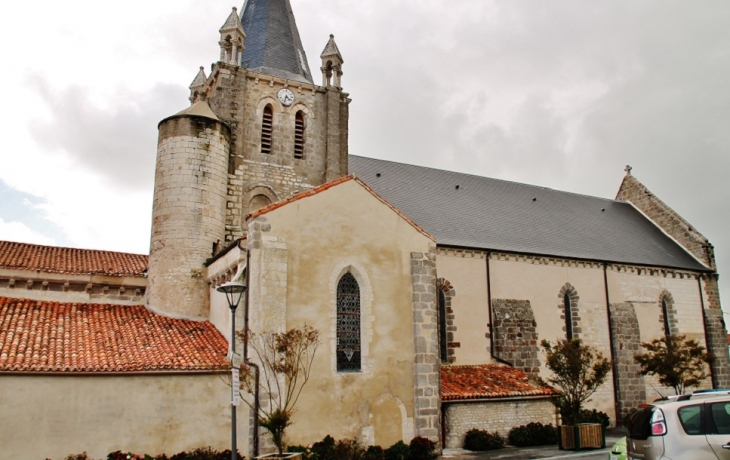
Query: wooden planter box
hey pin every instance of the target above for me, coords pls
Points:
(582, 436)
(284, 456)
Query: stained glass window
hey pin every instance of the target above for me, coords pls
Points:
(348, 324)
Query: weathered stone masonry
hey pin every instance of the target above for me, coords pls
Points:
(427, 368)
(630, 390)
(515, 334)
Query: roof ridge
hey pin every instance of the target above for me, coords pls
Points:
(540, 187)
(72, 248)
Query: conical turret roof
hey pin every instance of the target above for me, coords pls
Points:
(273, 46)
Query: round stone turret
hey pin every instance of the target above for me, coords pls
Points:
(189, 209)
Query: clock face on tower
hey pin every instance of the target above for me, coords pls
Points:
(286, 96)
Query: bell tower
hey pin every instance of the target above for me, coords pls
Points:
(275, 133)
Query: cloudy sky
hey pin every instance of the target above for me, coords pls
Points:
(561, 94)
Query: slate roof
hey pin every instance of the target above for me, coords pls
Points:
(463, 210)
(53, 259)
(486, 381)
(40, 336)
(273, 46)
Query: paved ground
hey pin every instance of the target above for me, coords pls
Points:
(525, 453)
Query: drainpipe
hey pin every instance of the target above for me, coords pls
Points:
(704, 328)
(247, 361)
(611, 345)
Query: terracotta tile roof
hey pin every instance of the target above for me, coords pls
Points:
(39, 336)
(328, 185)
(487, 381)
(53, 259)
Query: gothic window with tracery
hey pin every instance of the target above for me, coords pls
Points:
(299, 135)
(348, 324)
(267, 129)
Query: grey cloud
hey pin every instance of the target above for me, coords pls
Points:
(119, 143)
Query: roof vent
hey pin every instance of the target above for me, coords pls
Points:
(534, 198)
(457, 187)
(603, 209)
(377, 174)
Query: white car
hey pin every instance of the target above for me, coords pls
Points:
(689, 427)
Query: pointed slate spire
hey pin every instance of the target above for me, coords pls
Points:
(273, 45)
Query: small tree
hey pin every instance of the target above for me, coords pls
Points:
(286, 364)
(679, 363)
(578, 371)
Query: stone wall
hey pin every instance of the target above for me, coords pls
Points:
(239, 96)
(515, 334)
(188, 212)
(427, 373)
(636, 193)
(500, 416)
(717, 345)
(627, 344)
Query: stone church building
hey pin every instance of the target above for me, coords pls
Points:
(431, 289)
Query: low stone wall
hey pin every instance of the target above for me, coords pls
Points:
(500, 416)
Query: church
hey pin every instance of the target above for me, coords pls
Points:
(431, 290)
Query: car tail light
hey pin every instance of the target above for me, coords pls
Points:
(658, 427)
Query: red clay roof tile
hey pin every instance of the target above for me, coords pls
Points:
(39, 336)
(486, 381)
(52, 259)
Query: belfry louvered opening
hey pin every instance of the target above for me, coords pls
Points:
(267, 129)
(299, 135)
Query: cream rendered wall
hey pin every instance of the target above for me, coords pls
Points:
(643, 288)
(55, 416)
(467, 272)
(540, 280)
(317, 239)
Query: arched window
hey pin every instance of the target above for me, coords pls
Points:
(348, 324)
(665, 311)
(443, 346)
(299, 135)
(267, 129)
(568, 317)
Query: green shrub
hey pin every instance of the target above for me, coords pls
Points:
(83, 456)
(398, 451)
(533, 434)
(349, 449)
(594, 416)
(325, 449)
(374, 453)
(480, 440)
(422, 449)
(201, 453)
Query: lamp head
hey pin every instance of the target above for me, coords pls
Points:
(233, 291)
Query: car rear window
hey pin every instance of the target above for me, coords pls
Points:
(691, 419)
(721, 417)
(639, 426)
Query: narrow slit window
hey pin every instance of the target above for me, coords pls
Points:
(267, 129)
(299, 135)
(443, 345)
(665, 311)
(348, 324)
(568, 317)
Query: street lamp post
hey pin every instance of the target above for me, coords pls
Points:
(233, 291)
